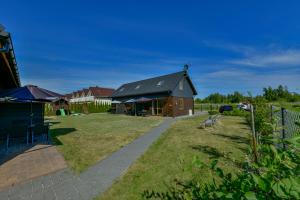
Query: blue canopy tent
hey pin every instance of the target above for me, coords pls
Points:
(18, 99)
(29, 93)
(130, 101)
(133, 101)
(143, 99)
(138, 101)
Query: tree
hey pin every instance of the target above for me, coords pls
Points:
(198, 100)
(236, 97)
(270, 94)
(215, 98)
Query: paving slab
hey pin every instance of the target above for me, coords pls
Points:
(34, 162)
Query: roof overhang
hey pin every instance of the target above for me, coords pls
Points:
(191, 84)
(8, 66)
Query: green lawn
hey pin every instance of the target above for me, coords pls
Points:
(290, 106)
(84, 140)
(171, 156)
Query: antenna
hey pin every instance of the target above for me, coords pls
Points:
(186, 67)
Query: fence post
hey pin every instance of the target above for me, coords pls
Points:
(283, 124)
(201, 108)
(253, 123)
(271, 116)
(210, 107)
(254, 138)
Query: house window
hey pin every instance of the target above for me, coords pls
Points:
(181, 85)
(181, 104)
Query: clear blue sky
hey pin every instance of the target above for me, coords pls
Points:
(231, 45)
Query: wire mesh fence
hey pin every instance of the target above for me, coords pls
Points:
(207, 106)
(285, 121)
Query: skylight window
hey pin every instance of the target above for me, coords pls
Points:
(160, 83)
(122, 89)
(137, 87)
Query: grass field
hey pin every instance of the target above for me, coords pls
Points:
(171, 156)
(84, 140)
(289, 106)
(292, 107)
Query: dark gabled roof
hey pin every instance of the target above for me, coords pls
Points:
(160, 84)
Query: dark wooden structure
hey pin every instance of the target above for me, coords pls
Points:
(169, 95)
(12, 112)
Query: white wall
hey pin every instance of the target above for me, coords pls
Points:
(91, 99)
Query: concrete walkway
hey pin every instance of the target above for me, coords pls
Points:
(33, 162)
(65, 185)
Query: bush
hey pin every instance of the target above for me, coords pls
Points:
(213, 112)
(262, 120)
(90, 107)
(236, 112)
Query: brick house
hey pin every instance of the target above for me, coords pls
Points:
(168, 95)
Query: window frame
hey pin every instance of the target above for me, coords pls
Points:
(181, 103)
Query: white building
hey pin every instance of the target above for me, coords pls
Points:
(92, 94)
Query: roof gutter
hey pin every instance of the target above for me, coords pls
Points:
(8, 48)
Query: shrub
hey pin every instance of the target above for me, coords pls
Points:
(90, 107)
(235, 112)
(213, 112)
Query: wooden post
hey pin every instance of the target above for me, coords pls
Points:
(201, 108)
(283, 124)
(254, 139)
(253, 123)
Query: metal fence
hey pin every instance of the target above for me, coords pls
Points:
(285, 122)
(207, 106)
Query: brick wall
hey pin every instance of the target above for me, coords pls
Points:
(178, 109)
(176, 106)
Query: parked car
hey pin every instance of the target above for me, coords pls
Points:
(244, 106)
(225, 108)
